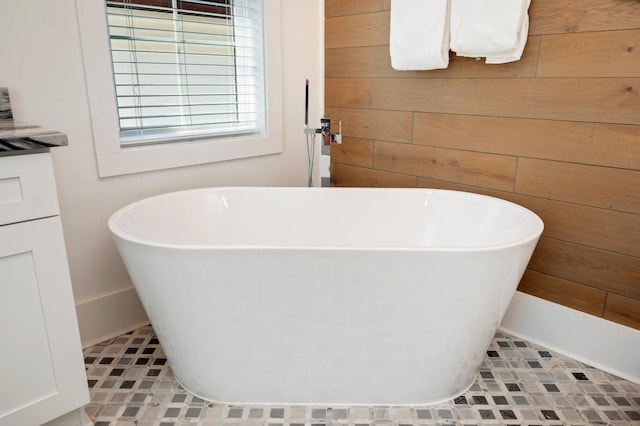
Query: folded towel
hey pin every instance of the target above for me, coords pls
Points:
(419, 37)
(495, 29)
(514, 54)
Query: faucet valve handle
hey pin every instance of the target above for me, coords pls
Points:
(337, 138)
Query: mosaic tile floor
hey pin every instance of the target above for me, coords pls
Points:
(519, 384)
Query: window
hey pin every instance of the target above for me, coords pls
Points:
(186, 67)
(188, 81)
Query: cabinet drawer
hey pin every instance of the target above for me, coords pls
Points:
(27, 188)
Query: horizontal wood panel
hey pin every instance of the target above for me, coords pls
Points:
(594, 227)
(613, 145)
(353, 151)
(488, 170)
(611, 100)
(340, 7)
(567, 293)
(570, 16)
(441, 184)
(599, 54)
(370, 29)
(353, 176)
(388, 125)
(623, 310)
(603, 187)
(596, 268)
(375, 62)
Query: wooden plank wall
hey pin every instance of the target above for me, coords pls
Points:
(557, 132)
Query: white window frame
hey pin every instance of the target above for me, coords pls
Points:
(114, 159)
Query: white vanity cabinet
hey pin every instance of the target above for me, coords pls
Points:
(42, 373)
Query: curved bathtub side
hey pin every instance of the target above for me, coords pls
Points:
(324, 326)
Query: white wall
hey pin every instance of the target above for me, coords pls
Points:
(41, 64)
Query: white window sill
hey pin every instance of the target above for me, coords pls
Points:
(157, 157)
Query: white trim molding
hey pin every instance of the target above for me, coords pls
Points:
(110, 316)
(603, 344)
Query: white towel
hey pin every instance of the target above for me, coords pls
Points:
(513, 54)
(419, 37)
(496, 29)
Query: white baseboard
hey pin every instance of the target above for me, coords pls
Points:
(109, 316)
(75, 418)
(603, 344)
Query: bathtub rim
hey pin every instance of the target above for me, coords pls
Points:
(116, 230)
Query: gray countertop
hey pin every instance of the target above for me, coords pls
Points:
(21, 138)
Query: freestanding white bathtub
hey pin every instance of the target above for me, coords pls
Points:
(312, 295)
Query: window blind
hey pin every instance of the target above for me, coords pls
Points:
(187, 68)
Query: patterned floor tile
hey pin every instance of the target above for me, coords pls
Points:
(518, 383)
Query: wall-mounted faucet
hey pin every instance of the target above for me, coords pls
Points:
(325, 129)
(328, 138)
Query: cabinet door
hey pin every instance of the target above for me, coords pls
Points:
(42, 372)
